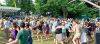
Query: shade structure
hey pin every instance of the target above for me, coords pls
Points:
(9, 9)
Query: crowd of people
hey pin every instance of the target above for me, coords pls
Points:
(21, 30)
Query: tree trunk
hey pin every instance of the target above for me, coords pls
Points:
(65, 13)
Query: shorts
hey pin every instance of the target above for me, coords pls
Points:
(67, 33)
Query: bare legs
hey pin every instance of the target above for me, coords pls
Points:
(76, 39)
(58, 41)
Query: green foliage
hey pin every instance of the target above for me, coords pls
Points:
(11, 3)
(56, 7)
(61, 8)
(26, 5)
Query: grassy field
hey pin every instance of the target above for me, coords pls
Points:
(2, 40)
(49, 41)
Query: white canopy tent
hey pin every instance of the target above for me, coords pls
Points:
(5, 9)
(8, 9)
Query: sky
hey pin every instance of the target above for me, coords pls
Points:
(3, 1)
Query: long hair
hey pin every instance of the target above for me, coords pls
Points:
(76, 21)
(14, 24)
(85, 23)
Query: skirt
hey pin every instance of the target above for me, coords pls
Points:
(83, 37)
(59, 37)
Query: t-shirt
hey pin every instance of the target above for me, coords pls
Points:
(58, 31)
(53, 26)
(63, 30)
(13, 34)
(23, 36)
(68, 25)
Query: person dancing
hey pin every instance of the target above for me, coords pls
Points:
(76, 29)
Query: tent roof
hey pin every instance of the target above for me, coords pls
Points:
(8, 9)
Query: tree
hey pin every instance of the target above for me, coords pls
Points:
(57, 7)
(25, 5)
(39, 4)
(79, 8)
(11, 3)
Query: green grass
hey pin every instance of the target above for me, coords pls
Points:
(49, 41)
(43, 42)
(2, 40)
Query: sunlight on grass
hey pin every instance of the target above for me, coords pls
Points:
(49, 41)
